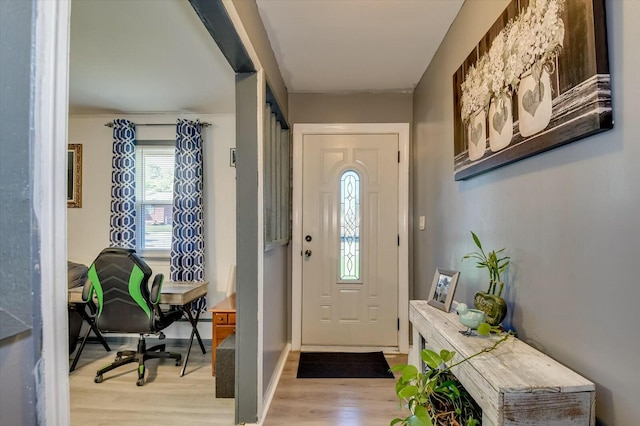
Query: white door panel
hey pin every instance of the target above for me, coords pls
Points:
(350, 280)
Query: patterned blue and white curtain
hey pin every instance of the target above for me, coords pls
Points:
(187, 244)
(123, 186)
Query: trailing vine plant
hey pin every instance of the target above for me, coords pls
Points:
(436, 397)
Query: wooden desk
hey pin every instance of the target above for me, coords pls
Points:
(175, 293)
(224, 323)
(182, 294)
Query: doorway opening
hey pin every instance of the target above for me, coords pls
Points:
(300, 233)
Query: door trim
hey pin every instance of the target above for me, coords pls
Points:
(402, 130)
(49, 105)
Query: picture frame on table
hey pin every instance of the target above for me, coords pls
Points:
(443, 289)
(74, 175)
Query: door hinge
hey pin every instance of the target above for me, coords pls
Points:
(398, 324)
(398, 156)
(398, 240)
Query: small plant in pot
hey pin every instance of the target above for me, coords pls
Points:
(489, 302)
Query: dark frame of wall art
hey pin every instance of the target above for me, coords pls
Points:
(74, 175)
(538, 79)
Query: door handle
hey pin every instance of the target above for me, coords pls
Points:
(307, 253)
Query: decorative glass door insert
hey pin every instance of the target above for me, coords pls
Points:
(350, 226)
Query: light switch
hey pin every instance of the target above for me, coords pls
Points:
(422, 223)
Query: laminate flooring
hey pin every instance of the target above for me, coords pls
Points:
(168, 399)
(165, 399)
(334, 402)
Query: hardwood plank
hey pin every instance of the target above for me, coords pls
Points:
(340, 402)
(166, 398)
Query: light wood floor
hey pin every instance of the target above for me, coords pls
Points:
(165, 399)
(334, 402)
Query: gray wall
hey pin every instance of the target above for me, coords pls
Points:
(276, 308)
(381, 107)
(569, 218)
(18, 389)
(350, 108)
(18, 254)
(246, 391)
(275, 277)
(252, 23)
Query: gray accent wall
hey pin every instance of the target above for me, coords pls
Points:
(275, 274)
(18, 386)
(275, 312)
(383, 107)
(568, 217)
(275, 263)
(252, 23)
(215, 18)
(378, 107)
(20, 323)
(15, 167)
(247, 248)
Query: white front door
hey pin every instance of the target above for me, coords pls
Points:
(350, 240)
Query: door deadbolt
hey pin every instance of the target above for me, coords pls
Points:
(308, 238)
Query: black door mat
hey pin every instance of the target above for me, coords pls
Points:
(343, 365)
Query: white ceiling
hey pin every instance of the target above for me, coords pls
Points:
(355, 45)
(145, 56)
(150, 56)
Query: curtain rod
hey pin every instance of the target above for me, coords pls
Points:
(204, 124)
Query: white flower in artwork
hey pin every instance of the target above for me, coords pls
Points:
(541, 34)
(528, 42)
(475, 89)
(513, 65)
(496, 65)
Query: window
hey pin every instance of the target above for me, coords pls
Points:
(154, 197)
(350, 226)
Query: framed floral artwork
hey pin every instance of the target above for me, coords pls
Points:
(538, 79)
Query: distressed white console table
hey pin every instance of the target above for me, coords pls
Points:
(514, 384)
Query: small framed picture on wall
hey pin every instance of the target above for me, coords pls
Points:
(74, 175)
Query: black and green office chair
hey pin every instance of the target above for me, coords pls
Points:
(119, 280)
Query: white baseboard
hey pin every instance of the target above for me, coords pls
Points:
(273, 384)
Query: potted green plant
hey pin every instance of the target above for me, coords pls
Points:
(435, 396)
(492, 304)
